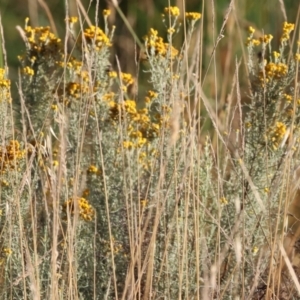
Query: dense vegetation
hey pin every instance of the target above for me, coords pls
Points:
(140, 186)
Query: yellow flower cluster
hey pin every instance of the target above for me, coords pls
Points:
(94, 170)
(127, 79)
(144, 202)
(274, 70)
(251, 29)
(10, 155)
(4, 82)
(7, 251)
(287, 29)
(86, 211)
(42, 41)
(112, 74)
(172, 11)
(72, 20)
(252, 42)
(140, 127)
(76, 90)
(266, 39)
(192, 16)
(128, 108)
(287, 98)
(28, 71)
(277, 134)
(4, 254)
(171, 30)
(276, 54)
(96, 38)
(108, 97)
(72, 64)
(115, 110)
(4, 87)
(106, 12)
(155, 44)
(80, 78)
(150, 96)
(137, 137)
(223, 201)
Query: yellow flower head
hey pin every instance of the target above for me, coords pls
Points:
(106, 12)
(251, 29)
(86, 211)
(172, 11)
(192, 16)
(277, 134)
(287, 29)
(266, 39)
(223, 201)
(72, 20)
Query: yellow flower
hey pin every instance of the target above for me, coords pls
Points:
(130, 107)
(72, 20)
(4, 183)
(255, 250)
(252, 42)
(7, 251)
(4, 83)
(28, 71)
(147, 100)
(92, 169)
(251, 29)
(152, 94)
(96, 38)
(106, 12)
(156, 45)
(173, 11)
(54, 107)
(273, 70)
(109, 96)
(266, 39)
(127, 145)
(276, 54)
(112, 74)
(193, 16)
(55, 163)
(248, 125)
(144, 203)
(223, 201)
(287, 28)
(127, 79)
(171, 30)
(10, 155)
(86, 211)
(277, 134)
(288, 98)
(255, 42)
